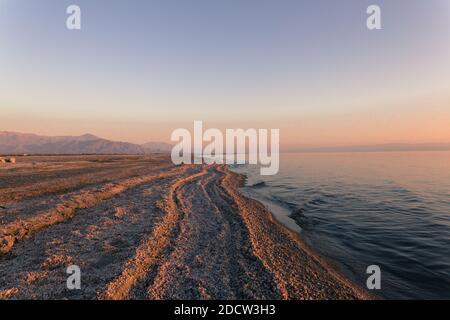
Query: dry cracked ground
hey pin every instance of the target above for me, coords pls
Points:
(141, 228)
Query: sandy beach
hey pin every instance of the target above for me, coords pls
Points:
(141, 228)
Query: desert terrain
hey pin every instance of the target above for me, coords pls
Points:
(141, 228)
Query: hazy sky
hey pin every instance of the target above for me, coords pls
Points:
(139, 69)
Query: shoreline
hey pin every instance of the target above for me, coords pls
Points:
(345, 287)
(141, 231)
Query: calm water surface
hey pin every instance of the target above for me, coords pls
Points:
(389, 209)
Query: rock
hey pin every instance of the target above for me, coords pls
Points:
(7, 160)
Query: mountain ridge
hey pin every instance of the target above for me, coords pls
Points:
(30, 143)
(387, 147)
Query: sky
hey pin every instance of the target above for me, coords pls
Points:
(137, 70)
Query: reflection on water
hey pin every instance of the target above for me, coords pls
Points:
(389, 209)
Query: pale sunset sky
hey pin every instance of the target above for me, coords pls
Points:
(139, 69)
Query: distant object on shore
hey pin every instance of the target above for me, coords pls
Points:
(7, 160)
(25, 143)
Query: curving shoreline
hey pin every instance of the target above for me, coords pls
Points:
(184, 232)
(301, 272)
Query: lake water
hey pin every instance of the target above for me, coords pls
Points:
(359, 209)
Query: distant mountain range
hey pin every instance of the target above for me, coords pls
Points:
(26, 143)
(379, 148)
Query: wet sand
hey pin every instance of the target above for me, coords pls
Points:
(142, 228)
